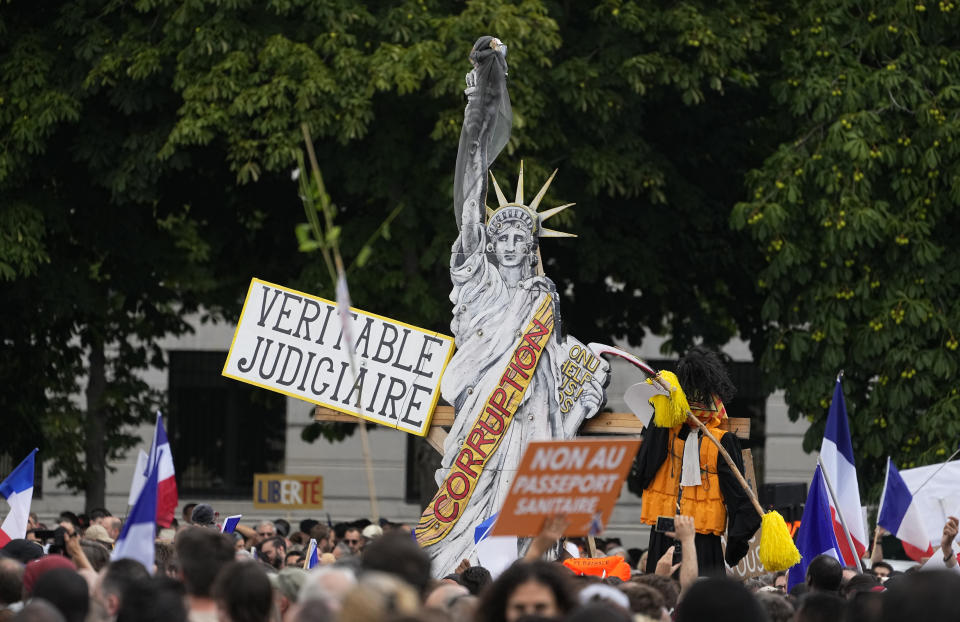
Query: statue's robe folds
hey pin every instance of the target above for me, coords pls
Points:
(488, 320)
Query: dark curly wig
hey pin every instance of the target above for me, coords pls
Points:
(701, 373)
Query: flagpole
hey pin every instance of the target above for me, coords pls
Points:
(371, 487)
(843, 523)
(952, 456)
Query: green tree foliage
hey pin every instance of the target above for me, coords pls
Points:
(856, 215)
(147, 150)
(148, 147)
(105, 249)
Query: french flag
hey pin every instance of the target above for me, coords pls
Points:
(816, 535)
(900, 516)
(17, 489)
(166, 477)
(836, 454)
(136, 539)
(312, 559)
(495, 553)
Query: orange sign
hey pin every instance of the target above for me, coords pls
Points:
(579, 477)
(603, 567)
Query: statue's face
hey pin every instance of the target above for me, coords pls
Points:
(512, 246)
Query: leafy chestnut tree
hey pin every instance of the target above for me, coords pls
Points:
(856, 214)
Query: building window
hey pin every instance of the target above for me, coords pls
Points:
(221, 431)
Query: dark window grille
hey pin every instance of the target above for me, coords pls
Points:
(8, 463)
(221, 431)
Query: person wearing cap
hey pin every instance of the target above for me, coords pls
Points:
(98, 533)
(283, 527)
(203, 516)
(286, 587)
(39, 567)
(22, 550)
(371, 533)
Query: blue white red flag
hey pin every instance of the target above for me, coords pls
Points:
(312, 559)
(836, 454)
(17, 489)
(166, 477)
(139, 477)
(136, 540)
(816, 535)
(899, 515)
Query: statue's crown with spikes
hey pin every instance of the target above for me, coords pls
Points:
(523, 216)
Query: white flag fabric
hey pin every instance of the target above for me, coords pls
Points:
(140, 529)
(17, 489)
(840, 470)
(139, 478)
(936, 498)
(343, 310)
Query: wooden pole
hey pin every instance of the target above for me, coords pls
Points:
(334, 263)
(926, 481)
(843, 523)
(592, 546)
(730, 463)
(371, 486)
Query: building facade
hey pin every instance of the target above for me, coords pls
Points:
(222, 432)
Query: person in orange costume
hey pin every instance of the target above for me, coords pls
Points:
(677, 471)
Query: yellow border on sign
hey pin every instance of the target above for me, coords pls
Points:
(301, 477)
(436, 397)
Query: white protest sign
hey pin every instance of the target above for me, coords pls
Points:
(290, 342)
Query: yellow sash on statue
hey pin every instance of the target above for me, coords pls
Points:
(488, 430)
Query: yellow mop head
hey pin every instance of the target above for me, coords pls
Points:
(777, 551)
(669, 411)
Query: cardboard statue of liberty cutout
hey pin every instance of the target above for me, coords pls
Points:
(514, 378)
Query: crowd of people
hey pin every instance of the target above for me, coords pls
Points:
(370, 572)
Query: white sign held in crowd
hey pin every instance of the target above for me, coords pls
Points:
(292, 343)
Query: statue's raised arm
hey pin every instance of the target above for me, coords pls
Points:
(515, 377)
(486, 129)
